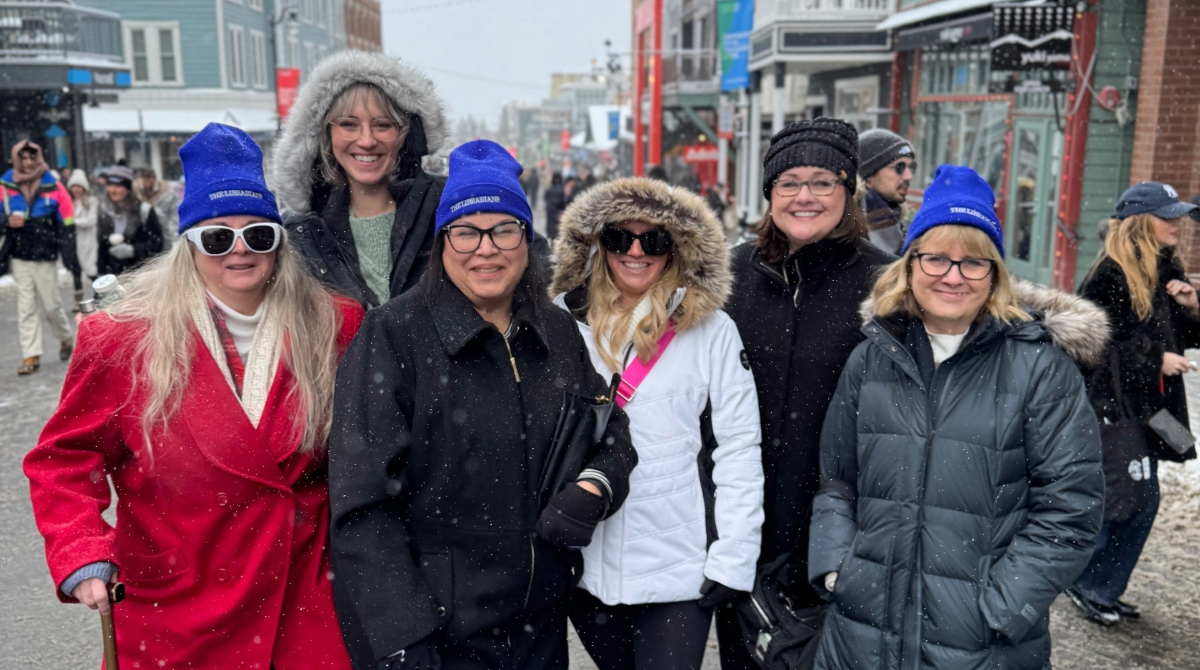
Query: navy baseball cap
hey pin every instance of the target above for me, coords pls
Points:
(1151, 197)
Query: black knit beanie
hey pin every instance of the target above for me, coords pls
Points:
(830, 144)
(878, 147)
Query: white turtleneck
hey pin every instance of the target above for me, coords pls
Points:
(944, 346)
(240, 326)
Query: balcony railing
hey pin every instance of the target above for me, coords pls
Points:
(769, 11)
(42, 30)
(690, 70)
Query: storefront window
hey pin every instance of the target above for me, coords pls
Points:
(962, 132)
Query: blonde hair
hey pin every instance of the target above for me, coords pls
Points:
(893, 294)
(1131, 244)
(343, 105)
(161, 295)
(606, 316)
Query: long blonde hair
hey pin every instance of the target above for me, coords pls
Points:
(161, 295)
(1132, 246)
(892, 293)
(607, 318)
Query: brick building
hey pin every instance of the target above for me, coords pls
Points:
(363, 27)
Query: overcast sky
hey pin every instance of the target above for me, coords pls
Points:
(484, 53)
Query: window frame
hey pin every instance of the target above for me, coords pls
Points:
(235, 55)
(151, 32)
(256, 59)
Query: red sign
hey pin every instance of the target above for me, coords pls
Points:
(701, 153)
(566, 140)
(287, 83)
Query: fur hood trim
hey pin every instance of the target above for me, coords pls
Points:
(1078, 326)
(292, 161)
(699, 240)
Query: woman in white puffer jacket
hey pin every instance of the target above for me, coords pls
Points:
(636, 260)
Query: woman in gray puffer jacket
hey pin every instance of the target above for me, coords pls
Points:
(961, 487)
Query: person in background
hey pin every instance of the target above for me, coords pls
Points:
(1140, 283)
(87, 213)
(446, 407)
(206, 395)
(150, 189)
(715, 199)
(531, 181)
(887, 164)
(797, 290)
(128, 232)
(40, 218)
(347, 168)
(644, 269)
(558, 197)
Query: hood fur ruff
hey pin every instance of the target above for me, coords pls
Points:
(1076, 325)
(699, 240)
(292, 160)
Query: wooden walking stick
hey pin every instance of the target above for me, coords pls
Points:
(116, 593)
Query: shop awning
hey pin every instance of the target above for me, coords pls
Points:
(181, 121)
(931, 11)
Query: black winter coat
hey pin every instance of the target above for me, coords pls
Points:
(955, 503)
(435, 459)
(798, 331)
(326, 241)
(1139, 347)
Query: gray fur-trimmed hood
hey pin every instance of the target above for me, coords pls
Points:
(291, 174)
(1078, 326)
(698, 236)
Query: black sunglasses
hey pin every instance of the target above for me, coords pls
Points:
(655, 242)
(902, 166)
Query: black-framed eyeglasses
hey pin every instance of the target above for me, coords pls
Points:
(790, 188)
(937, 265)
(655, 242)
(465, 239)
(902, 166)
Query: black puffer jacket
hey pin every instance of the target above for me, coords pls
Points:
(956, 503)
(1138, 347)
(798, 331)
(434, 461)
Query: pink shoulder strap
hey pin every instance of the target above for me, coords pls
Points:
(636, 373)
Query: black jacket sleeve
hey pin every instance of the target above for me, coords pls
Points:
(617, 457)
(369, 447)
(148, 240)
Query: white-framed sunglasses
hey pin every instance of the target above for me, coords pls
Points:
(261, 238)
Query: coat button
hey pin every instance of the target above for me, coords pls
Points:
(222, 575)
(894, 350)
(299, 229)
(222, 500)
(322, 270)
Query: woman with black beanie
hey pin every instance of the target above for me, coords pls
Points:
(796, 295)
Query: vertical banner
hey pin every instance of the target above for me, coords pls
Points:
(725, 120)
(566, 140)
(735, 43)
(287, 84)
(614, 124)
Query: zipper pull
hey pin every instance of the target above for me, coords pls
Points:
(516, 375)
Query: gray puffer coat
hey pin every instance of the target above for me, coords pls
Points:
(958, 501)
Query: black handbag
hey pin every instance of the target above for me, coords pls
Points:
(1127, 456)
(577, 435)
(1171, 432)
(778, 635)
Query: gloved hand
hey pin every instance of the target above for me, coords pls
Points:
(830, 581)
(418, 656)
(121, 252)
(715, 594)
(571, 517)
(115, 239)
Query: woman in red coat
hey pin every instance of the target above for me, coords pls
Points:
(205, 393)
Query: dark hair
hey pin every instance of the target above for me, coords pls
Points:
(533, 285)
(773, 244)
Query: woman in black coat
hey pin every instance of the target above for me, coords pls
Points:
(1140, 283)
(128, 232)
(445, 409)
(795, 300)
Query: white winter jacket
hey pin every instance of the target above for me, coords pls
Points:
(655, 548)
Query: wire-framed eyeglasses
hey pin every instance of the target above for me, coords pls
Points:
(790, 188)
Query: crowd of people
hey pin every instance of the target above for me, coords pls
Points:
(369, 419)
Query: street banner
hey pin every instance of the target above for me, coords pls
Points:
(1028, 38)
(566, 140)
(287, 84)
(725, 120)
(614, 124)
(735, 44)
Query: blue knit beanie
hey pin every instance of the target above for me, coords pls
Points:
(484, 177)
(959, 196)
(223, 170)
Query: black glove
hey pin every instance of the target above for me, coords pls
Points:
(418, 656)
(715, 594)
(570, 518)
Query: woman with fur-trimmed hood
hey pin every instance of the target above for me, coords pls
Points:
(357, 203)
(644, 269)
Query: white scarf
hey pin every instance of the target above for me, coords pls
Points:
(260, 365)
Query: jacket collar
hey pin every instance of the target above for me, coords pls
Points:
(458, 323)
(808, 264)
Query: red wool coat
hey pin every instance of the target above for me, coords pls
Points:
(222, 532)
